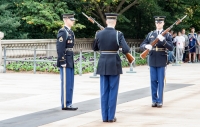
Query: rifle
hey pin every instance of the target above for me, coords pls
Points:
(93, 21)
(146, 52)
(130, 58)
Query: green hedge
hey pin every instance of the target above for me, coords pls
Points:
(50, 67)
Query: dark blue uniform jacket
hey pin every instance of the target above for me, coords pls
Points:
(65, 39)
(158, 58)
(106, 40)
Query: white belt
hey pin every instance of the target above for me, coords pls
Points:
(109, 52)
(69, 49)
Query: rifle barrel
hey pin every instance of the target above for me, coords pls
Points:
(93, 21)
(184, 17)
(85, 15)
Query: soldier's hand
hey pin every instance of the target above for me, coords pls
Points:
(148, 46)
(63, 65)
(160, 37)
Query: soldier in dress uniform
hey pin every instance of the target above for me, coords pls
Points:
(157, 59)
(65, 61)
(109, 66)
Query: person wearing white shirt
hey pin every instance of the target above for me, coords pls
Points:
(186, 44)
(180, 45)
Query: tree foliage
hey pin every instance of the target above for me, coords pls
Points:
(9, 20)
(33, 18)
(178, 8)
(43, 18)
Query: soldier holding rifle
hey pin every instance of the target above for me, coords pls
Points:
(109, 66)
(64, 46)
(158, 59)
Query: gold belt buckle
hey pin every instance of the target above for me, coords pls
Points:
(156, 48)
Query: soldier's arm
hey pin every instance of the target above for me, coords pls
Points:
(145, 42)
(60, 46)
(167, 43)
(123, 44)
(95, 43)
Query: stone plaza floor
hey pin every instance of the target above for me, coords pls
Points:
(33, 100)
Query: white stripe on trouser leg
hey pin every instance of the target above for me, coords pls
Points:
(164, 85)
(64, 86)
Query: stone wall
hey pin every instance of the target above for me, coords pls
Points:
(46, 47)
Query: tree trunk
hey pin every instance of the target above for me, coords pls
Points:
(127, 7)
(99, 11)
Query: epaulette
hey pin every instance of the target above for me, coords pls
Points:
(119, 31)
(98, 31)
(151, 32)
(65, 31)
(60, 29)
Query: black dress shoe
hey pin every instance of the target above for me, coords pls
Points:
(70, 108)
(154, 104)
(113, 120)
(105, 120)
(159, 105)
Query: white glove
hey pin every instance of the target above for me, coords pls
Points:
(160, 37)
(148, 46)
(63, 65)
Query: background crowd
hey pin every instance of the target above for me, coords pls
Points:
(185, 45)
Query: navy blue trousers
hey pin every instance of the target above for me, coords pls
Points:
(109, 90)
(157, 75)
(67, 93)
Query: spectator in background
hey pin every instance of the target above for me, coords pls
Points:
(192, 42)
(171, 53)
(186, 44)
(173, 36)
(198, 47)
(180, 44)
(174, 49)
(171, 32)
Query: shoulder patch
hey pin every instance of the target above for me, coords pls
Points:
(60, 39)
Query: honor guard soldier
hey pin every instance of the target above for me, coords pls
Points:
(64, 45)
(109, 66)
(158, 59)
